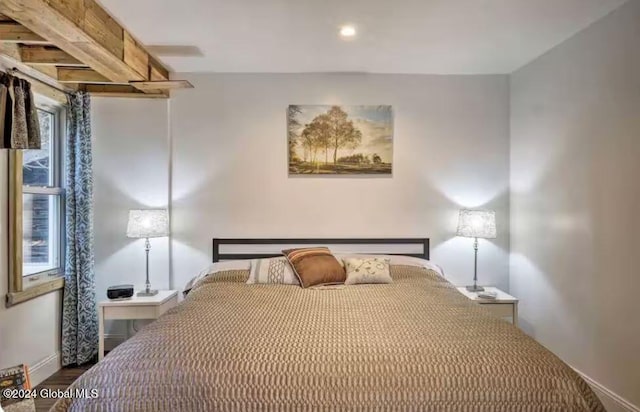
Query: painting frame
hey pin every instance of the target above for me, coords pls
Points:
(340, 140)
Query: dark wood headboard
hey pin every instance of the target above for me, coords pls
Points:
(394, 247)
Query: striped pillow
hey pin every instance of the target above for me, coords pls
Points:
(315, 266)
(273, 270)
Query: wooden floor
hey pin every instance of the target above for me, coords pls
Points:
(59, 380)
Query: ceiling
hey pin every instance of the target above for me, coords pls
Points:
(394, 36)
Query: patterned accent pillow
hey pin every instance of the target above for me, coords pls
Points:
(369, 270)
(273, 270)
(315, 266)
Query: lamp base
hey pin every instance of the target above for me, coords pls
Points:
(147, 293)
(475, 288)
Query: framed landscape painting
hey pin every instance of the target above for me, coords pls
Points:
(340, 140)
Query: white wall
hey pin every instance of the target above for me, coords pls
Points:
(131, 170)
(575, 150)
(451, 149)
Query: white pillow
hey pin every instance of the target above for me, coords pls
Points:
(218, 267)
(394, 260)
(273, 270)
(367, 270)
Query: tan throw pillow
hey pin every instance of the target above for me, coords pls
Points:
(273, 270)
(368, 270)
(315, 266)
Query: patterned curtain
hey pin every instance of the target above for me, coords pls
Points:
(79, 313)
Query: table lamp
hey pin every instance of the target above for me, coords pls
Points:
(147, 223)
(476, 224)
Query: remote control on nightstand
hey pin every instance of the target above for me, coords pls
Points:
(487, 294)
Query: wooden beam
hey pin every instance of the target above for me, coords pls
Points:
(111, 90)
(50, 71)
(13, 32)
(80, 29)
(11, 51)
(102, 27)
(157, 71)
(135, 56)
(47, 56)
(41, 79)
(84, 34)
(74, 75)
(163, 85)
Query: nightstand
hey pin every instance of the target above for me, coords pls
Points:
(503, 306)
(136, 307)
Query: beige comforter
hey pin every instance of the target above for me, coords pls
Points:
(416, 344)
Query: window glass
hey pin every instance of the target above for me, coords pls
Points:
(42, 202)
(36, 164)
(41, 233)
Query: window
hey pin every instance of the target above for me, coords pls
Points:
(37, 213)
(41, 203)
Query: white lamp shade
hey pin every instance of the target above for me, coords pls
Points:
(477, 223)
(145, 223)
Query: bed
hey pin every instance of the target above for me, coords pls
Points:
(414, 344)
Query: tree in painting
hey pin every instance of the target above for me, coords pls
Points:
(292, 125)
(340, 140)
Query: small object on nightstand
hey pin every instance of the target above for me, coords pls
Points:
(138, 307)
(501, 304)
(120, 292)
(487, 294)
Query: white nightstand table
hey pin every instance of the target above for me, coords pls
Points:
(136, 307)
(503, 306)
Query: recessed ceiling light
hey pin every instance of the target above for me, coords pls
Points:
(347, 31)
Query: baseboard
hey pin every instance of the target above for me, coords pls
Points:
(611, 400)
(44, 368)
